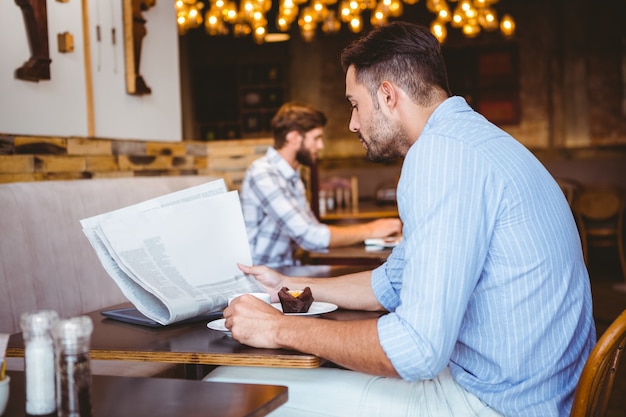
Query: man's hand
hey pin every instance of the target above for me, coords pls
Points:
(252, 321)
(353, 344)
(346, 235)
(271, 280)
(385, 227)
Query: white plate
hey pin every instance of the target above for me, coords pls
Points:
(218, 325)
(318, 307)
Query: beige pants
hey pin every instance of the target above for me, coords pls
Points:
(340, 393)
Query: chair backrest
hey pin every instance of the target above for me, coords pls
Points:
(598, 210)
(340, 193)
(570, 188)
(599, 204)
(596, 381)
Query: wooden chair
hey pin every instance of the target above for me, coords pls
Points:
(570, 188)
(596, 381)
(599, 213)
(330, 193)
(339, 193)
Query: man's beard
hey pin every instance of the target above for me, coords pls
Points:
(305, 157)
(386, 140)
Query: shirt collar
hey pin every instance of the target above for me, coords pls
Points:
(282, 165)
(455, 104)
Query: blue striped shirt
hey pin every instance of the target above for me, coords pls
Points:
(489, 278)
(277, 213)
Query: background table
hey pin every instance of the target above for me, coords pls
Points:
(355, 255)
(113, 396)
(364, 212)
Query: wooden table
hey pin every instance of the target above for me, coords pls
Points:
(113, 396)
(191, 344)
(364, 212)
(319, 271)
(356, 255)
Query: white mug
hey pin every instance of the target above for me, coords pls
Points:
(263, 296)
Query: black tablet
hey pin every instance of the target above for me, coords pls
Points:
(133, 316)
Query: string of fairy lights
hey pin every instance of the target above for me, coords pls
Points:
(249, 17)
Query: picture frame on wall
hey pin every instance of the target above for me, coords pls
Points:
(488, 78)
(499, 108)
(497, 96)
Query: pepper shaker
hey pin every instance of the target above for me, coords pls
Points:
(72, 340)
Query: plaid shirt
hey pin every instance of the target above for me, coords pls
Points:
(277, 213)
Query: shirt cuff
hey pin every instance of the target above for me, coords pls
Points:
(383, 290)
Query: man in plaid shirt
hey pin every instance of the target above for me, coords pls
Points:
(276, 211)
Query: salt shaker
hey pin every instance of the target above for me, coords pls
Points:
(72, 339)
(39, 361)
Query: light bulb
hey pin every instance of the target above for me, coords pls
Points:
(438, 29)
(471, 29)
(458, 20)
(444, 15)
(379, 17)
(507, 25)
(435, 5)
(488, 19)
(355, 24)
(395, 8)
(345, 12)
(259, 35)
(230, 14)
(331, 24)
(281, 24)
(241, 29)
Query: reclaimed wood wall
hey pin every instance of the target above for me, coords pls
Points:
(41, 158)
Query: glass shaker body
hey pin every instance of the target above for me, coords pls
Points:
(72, 337)
(39, 361)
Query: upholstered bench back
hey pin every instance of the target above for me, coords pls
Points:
(46, 262)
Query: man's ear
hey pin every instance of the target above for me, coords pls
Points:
(387, 95)
(293, 138)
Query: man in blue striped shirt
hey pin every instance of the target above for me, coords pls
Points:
(488, 297)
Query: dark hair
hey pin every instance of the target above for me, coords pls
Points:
(404, 53)
(294, 116)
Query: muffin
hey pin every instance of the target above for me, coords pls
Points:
(295, 301)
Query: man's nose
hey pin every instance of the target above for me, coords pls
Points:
(353, 125)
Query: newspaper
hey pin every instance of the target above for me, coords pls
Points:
(175, 256)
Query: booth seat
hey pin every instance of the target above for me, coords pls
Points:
(46, 262)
